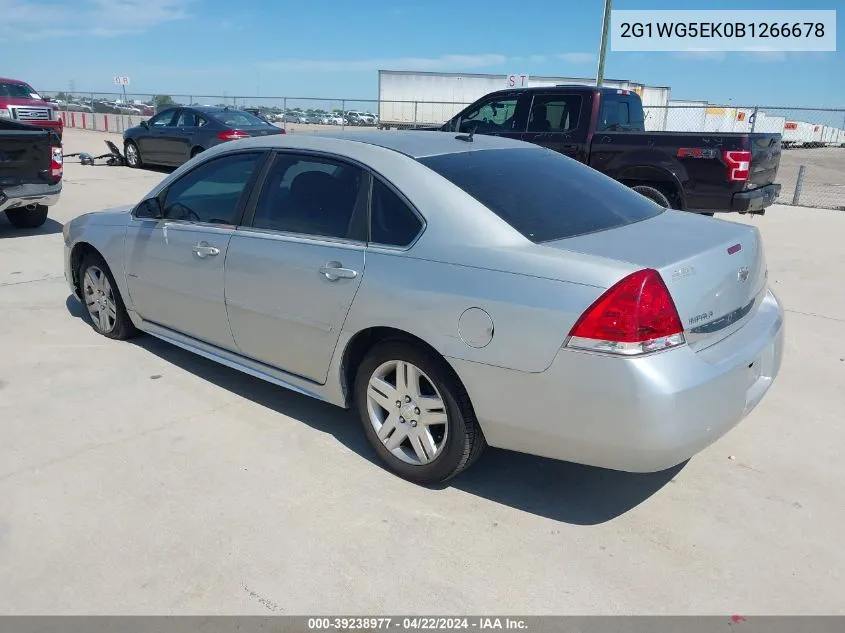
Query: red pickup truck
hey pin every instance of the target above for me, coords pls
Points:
(21, 103)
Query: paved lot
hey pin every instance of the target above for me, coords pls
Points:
(824, 179)
(136, 478)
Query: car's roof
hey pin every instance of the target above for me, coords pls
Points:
(13, 81)
(412, 143)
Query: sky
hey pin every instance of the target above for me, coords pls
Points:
(334, 48)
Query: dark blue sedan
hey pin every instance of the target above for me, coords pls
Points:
(177, 134)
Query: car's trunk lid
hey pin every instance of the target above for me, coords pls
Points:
(715, 270)
(261, 131)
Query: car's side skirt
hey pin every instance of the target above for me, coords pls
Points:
(235, 361)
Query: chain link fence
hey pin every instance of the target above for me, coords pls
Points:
(812, 164)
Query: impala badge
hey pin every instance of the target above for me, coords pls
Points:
(742, 275)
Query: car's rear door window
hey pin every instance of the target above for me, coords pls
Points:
(541, 193)
(314, 196)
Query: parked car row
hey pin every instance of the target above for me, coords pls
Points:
(352, 117)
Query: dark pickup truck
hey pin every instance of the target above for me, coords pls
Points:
(30, 172)
(694, 171)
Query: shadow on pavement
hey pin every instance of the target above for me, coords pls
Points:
(50, 227)
(571, 493)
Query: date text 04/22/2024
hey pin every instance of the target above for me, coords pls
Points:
(415, 624)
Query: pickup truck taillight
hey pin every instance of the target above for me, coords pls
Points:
(739, 164)
(56, 163)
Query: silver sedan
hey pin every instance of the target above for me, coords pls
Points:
(455, 291)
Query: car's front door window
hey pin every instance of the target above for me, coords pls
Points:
(162, 119)
(211, 193)
(494, 115)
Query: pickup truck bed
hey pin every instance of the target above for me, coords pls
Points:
(30, 172)
(693, 171)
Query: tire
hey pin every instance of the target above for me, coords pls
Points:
(452, 439)
(653, 194)
(27, 217)
(133, 155)
(118, 325)
(196, 150)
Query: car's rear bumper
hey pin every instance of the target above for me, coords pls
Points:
(638, 415)
(755, 200)
(25, 195)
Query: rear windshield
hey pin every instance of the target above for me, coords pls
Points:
(17, 91)
(237, 118)
(541, 193)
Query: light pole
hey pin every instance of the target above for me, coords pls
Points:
(603, 45)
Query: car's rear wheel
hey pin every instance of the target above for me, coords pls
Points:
(29, 217)
(415, 413)
(102, 299)
(132, 154)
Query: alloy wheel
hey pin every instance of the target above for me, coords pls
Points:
(407, 412)
(131, 154)
(99, 299)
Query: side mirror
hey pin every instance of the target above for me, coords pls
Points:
(145, 125)
(149, 209)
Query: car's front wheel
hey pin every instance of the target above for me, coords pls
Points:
(132, 154)
(415, 413)
(102, 299)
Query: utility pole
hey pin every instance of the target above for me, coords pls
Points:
(603, 45)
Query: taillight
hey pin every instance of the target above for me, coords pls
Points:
(739, 164)
(635, 316)
(232, 135)
(56, 163)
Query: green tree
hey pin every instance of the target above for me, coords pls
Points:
(163, 100)
(62, 96)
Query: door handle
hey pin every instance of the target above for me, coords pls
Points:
(334, 271)
(203, 250)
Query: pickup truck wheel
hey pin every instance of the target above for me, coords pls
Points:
(102, 299)
(653, 194)
(27, 217)
(415, 413)
(132, 154)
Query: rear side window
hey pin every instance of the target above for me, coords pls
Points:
(391, 220)
(541, 193)
(620, 113)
